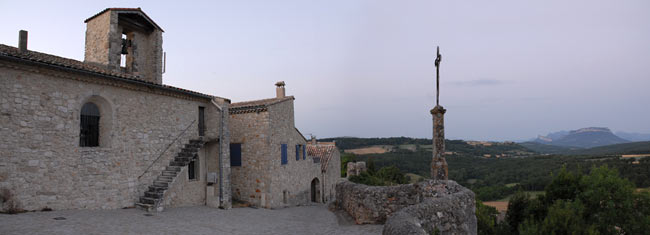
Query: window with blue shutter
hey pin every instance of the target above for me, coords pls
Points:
(235, 154)
(304, 152)
(284, 154)
(297, 152)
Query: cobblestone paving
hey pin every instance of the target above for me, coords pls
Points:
(186, 220)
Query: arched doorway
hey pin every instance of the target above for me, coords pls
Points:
(315, 190)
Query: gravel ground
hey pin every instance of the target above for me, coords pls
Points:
(186, 220)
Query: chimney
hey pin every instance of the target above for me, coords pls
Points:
(313, 140)
(22, 40)
(279, 89)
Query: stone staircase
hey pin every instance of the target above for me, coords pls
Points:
(152, 199)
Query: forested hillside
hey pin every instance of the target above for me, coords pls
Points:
(493, 179)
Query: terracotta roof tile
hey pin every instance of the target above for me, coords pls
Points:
(56, 61)
(256, 105)
(324, 152)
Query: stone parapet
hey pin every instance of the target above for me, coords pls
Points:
(424, 206)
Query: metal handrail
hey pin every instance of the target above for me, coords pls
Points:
(165, 150)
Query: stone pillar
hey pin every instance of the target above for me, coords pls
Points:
(439, 164)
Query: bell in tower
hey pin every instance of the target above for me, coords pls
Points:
(125, 40)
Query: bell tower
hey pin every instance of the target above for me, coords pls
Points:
(125, 40)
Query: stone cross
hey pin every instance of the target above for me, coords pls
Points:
(439, 169)
(437, 63)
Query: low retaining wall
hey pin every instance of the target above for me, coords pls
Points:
(419, 208)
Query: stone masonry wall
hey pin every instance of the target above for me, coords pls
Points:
(331, 177)
(428, 205)
(186, 192)
(294, 178)
(262, 180)
(41, 162)
(97, 39)
(249, 180)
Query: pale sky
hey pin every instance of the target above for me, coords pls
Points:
(510, 69)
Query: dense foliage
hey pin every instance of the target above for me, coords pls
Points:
(600, 202)
(493, 179)
(385, 176)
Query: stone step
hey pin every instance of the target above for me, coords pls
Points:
(148, 200)
(183, 159)
(173, 168)
(144, 206)
(160, 183)
(154, 188)
(165, 178)
(189, 150)
(186, 154)
(156, 195)
(197, 142)
(196, 146)
(169, 173)
(179, 164)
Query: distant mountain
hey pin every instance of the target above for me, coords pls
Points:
(584, 138)
(547, 148)
(642, 147)
(551, 136)
(633, 136)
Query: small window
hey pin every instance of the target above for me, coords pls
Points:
(201, 121)
(89, 125)
(285, 196)
(304, 152)
(235, 154)
(124, 51)
(297, 152)
(193, 169)
(284, 154)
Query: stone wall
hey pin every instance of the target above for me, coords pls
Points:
(186, 192)
(292, 180)
(428, 205)
(97, 40)
(250, 180)
(355, 168)
(41, 160)
(331, 177)
(262, 179)
(454, 213)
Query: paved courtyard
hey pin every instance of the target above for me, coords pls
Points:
(187, 220)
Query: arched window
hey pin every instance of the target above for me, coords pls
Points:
(89, 134)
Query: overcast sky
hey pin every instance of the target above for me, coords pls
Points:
(511, 69)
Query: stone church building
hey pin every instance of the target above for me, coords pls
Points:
(106, 133)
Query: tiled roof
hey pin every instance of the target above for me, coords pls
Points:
(322, 151)
(33, 57)
(256, 105)
(134, 10)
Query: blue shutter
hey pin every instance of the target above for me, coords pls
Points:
(297, 152)
(235, 154)
(284, 154)
(304, 152)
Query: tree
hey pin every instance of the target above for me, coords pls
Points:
(564, 217)
(517, 210)
(486, 218)
(564, 186)
(347, 157)
(609, 201)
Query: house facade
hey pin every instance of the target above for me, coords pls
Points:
(106, 133)
(270, 162)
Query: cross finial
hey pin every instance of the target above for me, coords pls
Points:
(437, 63)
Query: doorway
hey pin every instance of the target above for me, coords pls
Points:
(315, 190)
